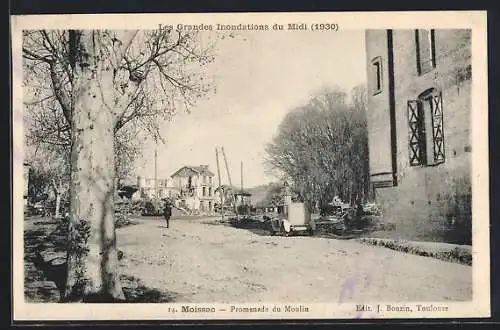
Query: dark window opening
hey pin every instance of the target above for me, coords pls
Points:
(426, 50)
(377, 84)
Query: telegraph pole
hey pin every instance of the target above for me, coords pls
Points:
(221, 190)
(218, 168)
(227, 168)
(230, 183)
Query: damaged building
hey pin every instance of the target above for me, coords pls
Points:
(156, 188)
(196, 187)
(419, 130)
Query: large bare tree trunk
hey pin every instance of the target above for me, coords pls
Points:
(92, 256)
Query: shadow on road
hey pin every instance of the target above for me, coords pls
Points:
(136, 292)
(257, 231)
(45, 282)
(256, 227)
(264, 229)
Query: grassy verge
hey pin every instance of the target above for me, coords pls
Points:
(461, 254)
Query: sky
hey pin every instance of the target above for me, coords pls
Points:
(259, 77)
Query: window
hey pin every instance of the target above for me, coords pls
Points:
(376, 75)
(426, 134)
(426, 50)
(204, 193)
(209, 192)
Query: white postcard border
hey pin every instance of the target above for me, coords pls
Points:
(478, 307)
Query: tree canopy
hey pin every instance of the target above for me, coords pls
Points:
(156, 74)
(322, 148)
(89, 95)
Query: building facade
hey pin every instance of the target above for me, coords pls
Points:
(418, 119)
(162, 188)
(196, 187)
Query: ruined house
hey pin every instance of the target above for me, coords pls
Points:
(155, 188)
(419, 123)
(196, 187)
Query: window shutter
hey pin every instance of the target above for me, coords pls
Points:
(414, 146)
(437, 128)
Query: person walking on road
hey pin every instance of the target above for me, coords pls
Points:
(167, 213)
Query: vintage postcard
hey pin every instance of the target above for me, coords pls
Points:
(320, 165)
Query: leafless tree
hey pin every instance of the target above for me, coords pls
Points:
(93, 84)
(322, 148)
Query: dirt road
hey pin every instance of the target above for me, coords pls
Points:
(201, 262)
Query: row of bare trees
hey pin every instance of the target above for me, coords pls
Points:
(48, 152)
(89, 95)
(322, 148)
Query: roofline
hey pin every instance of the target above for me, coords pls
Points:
(193, 169)
(183, 167)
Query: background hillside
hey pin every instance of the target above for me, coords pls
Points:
(258, 193)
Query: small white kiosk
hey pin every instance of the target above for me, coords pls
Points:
(292, 217)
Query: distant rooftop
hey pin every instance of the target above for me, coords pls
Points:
(201, 169)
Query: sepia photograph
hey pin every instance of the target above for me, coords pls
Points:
(244, 166)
